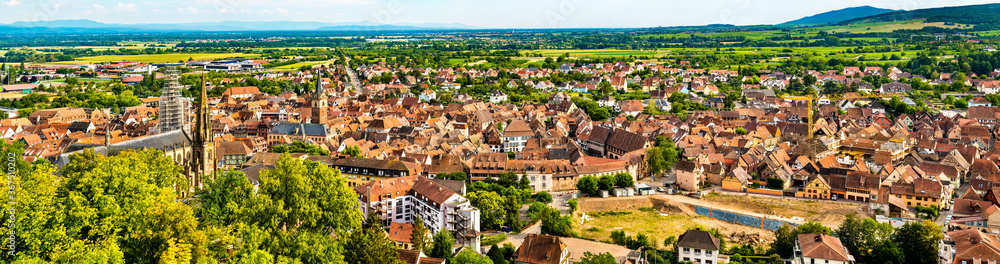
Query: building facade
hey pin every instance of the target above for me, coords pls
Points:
(403, 199)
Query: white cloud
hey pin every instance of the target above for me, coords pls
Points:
(130, 7)
(283, 11)
(12, 3)
(191, 10)
(233, 11)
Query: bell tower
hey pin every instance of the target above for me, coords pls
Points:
(319, 101)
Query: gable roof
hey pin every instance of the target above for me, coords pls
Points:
(540, 249)
(822, 246)
(698, 239)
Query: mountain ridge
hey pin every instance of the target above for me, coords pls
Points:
(233, 25)
(840, 15)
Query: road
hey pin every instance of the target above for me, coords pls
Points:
(355, 83)
(519, 238)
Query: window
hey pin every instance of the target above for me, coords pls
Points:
(697, 251)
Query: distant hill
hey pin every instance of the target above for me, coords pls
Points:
(988, 14)
(837, 16)
(84, 26)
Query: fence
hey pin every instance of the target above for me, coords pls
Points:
(747, 220)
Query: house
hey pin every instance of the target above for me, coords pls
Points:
(631, 107)
(736, 180)
(697, 246)
(541, 249)
(400, 233)
(233, 154)
(607, 101)
(427, 95)
(969, 246)
(921, 192)
(820, 248)
(498, 97)
(816, 188)
(979, 101)
(286, 133)
(410, 256)
(689, 175)
(896, 87)
(241, 92)
(988, 87)
(516, 136)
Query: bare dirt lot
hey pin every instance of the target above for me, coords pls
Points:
(828, 213)
(645, 215)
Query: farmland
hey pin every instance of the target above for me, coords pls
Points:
(299, 65)
(159, 58)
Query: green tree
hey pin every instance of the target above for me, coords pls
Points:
(591, 258)
(543, 197)
(470, 257)
(662, 157)
(490, 205)
(587, 184)
(121, 200)
(606, 182)
(370, 246)
(859, 235)
(619, 237)
(352, 151)
(918, 241)
(555, 224)
(308, 195)
(670, 241)
(624, 180)
(419, 235)
(501, 254)
(455, 176)
(443, 245)
(300, 147)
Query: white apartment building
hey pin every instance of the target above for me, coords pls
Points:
(404, 199)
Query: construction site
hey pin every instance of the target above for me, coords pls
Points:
(742, 219)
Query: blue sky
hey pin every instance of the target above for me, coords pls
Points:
(488, 14)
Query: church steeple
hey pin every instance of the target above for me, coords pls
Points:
(107, 133)
(203, 116)
(319, 82)
(203, 139)
(319, 100)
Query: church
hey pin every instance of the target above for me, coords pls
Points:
(194, 150)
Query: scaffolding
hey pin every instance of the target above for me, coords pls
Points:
(172, 109)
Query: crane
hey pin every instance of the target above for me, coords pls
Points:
(834, 97)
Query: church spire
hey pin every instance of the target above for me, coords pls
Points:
(203, 140)
(107, 133)
(203, 122)
(319, 82)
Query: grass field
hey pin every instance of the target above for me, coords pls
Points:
(597, 53)
(161, 58)
(658, 227)
(300, 64)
